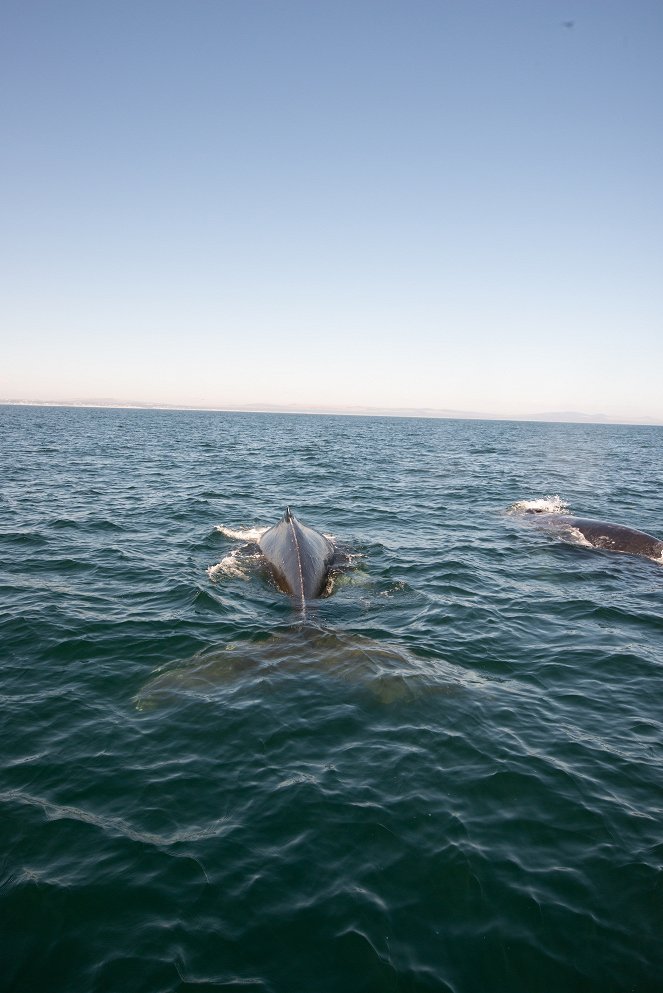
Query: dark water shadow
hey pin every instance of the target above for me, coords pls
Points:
(388, 673)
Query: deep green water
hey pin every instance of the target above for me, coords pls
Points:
(449, 777)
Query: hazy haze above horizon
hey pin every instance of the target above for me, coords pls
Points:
(374, 204)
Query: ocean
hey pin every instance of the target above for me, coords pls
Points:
(446, 776)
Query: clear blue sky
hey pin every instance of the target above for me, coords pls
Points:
(431, 203)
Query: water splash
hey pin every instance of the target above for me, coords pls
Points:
(542, 505)
(251, 534)
(238, 564)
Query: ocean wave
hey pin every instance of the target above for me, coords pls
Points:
(455, 786)
(115, 825)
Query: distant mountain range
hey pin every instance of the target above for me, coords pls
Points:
(570, 416)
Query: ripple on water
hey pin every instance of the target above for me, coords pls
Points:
(448, 780)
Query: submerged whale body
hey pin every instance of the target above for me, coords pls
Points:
(391, 674)
(601, 534)
(299, 557)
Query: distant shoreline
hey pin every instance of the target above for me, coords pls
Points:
(424, 413)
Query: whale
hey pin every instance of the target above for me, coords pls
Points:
(299, 558)
(602, 534)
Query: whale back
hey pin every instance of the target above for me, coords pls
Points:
(299, 557)
(612, 537)
(617, 537)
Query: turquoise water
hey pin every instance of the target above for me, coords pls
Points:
(447, 777)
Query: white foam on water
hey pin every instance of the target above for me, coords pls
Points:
(543, 505)
(253, 534)
(237, 563)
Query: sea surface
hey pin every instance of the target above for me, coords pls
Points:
(447, 775)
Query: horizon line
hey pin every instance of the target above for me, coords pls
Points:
(356, 410)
